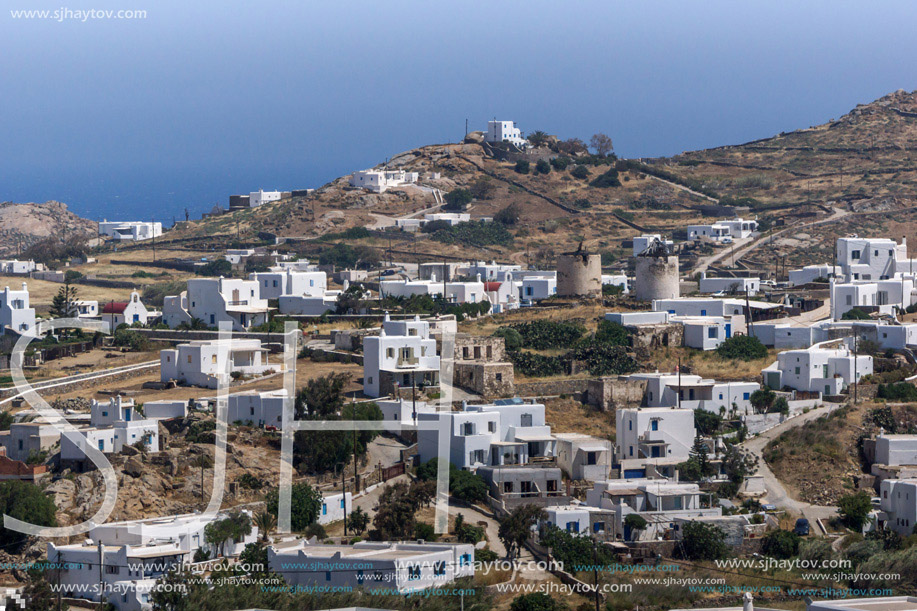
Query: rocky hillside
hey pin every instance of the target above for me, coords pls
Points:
(22, 225)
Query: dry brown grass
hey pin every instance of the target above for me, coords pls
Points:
(568, 415)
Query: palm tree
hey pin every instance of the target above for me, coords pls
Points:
(266, 522)
(537, 138)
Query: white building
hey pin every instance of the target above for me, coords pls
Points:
(15, 313)
(237, 255)
(729, 285)
(810, 273)
(113, 425)
(504, 131)
(275, 283)
(710, 306)
(493, 270)
(403, 411)
(125, 312)
(642, 242)
(734, 229)
(258, 408)
(508, 432)
(536, 288)
(869, 258)
(87, 309)
(898, 502)
(826, 368)
(457, 292)
(658, 501)
(133, 555)
(335, 507)
(165, 410)
(896, 450)
(206, 363)
(260, 197)
(574, 519)
(25, 439)
(658, 436)
(402, 355)
(689, 391)
(298, 305)
(15, 267)
(371, 566)
(883, 603)
(883, 296)
(130, 231)
(379, 181)
(583, 457)
(708, 332)
(216, 300)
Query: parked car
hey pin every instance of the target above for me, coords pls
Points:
(802, 527)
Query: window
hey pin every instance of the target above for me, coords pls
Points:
(654, 425)
(711, 332)
(213, 359)
(491, 427)
(439, 569)
(630, 425)
(189, 358)
(745, 396)
(797, 371)
(855, 255)
(465, 559)
(112, 570)
(327, 575)
(703, 312)
(413, 573)
(324, 509)
(591, 458)
(342, 503)
(390, 353)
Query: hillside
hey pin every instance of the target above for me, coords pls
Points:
(22, 225)
(846, 175)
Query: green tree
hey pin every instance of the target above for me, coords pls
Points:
(707, 423)
(482, 188)
(351, 300)
(63, 305)
(606, 180)
(26, 502)
(508, 215)
(580, 172)
(522, 167)
(854, 509)
(601, 144)
(305, 505)
(467, 486)
(396, 511)
(511, 338)
(781, 544)
(234, 527)
(516, 527)
(762, 399)
(266, 522)
(855, 314)
(458, 199)
(538, 138)
(702, 541)
(465, 532)
(635, 522)
(358, 521)
(743, 348)
(542, 167)
(173, 591)
(322, 396)
(538, 601)
(780, 406)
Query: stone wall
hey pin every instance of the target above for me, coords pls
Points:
(552, 387)
(612, 392)
(487, 379)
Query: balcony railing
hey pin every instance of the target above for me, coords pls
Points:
(407, 361)
(240, 302)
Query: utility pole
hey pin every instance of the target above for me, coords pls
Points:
(344, 492)
(748, 310)
(595, 571)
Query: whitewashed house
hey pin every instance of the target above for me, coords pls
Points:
(583, 457)
(261, 197)
(898, 504)
(216, 300)
(402, 355)
(334, 507)
(258, 408)
(810, 273)
(457, 292)
(112, 425)
(403, 411)
(660, 437)
(737, 286)
(206, 363)
(379, 181)
(896, 450)
(133, 556)
(882, 296)
(536, 288)
(492, 270)
(711, 306)
(15, 267)
(617, 280)
(275, 283)
(299, 305)
(25, 439)
(130, 231)
(658, 501)
(371, 566)
(509, 432)
(826, 368)
(87, 309)
(15, 313)
(165, 410)
(125, 312)
(689, 391)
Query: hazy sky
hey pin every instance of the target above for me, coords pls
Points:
(140, 118)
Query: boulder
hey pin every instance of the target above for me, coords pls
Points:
(133, 467)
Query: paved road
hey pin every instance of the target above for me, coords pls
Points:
(776, 492)
(704, 262)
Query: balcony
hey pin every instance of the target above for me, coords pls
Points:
(238, 302)
(407, 362)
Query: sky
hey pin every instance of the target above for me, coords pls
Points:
(132, 119)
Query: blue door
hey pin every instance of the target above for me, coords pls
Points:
(101, 444)
(728, 330)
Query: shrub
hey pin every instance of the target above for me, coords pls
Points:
(542, 167)
(900, 391)
(547, 334)
(606, 180)
(612, 333)
(580, 171)
(604, 359)
(537, 601)
(537, 365)
(511, 337)
(560, 163)
(522, 166)
(457, 199)
(781, 544)
(424, 531)
(508, 215)
(743, 348)
(701, 541)
(475, 233)
(855, 314)
(854, 509)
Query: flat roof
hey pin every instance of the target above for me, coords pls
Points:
(888, 603)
